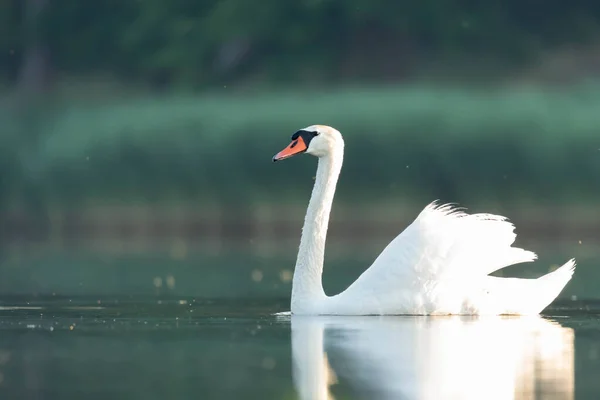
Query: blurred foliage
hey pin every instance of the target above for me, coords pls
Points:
(177, 146)
(401, 141)
(203, 42)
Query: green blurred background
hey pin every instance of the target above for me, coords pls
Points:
(136, 136)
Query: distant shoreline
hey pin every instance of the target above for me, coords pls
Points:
(281, 221)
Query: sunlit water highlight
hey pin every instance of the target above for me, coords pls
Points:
(229, 349)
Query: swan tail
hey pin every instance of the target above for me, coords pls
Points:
(554, 282)
(561, 274)
(528, 296)
(551, 284)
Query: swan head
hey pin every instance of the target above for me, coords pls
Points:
(316, 140)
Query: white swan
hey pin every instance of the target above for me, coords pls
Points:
(438, 265)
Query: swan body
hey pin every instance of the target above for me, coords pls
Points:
(439, 265)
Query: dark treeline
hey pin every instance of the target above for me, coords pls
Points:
(412, 139)
(208, 42)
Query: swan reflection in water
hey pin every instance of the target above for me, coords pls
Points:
(433, 357)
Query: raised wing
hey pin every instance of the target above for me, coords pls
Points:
(445, 243)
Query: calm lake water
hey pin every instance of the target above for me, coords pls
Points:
(150, 348)
(138, 320)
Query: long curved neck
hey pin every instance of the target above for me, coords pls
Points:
(307, 284)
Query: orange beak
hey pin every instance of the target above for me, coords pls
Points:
(296, 147)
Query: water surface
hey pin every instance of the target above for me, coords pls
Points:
(151, 348)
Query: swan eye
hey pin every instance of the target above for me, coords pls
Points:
(307, 136)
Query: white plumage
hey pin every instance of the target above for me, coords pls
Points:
(440, 264)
